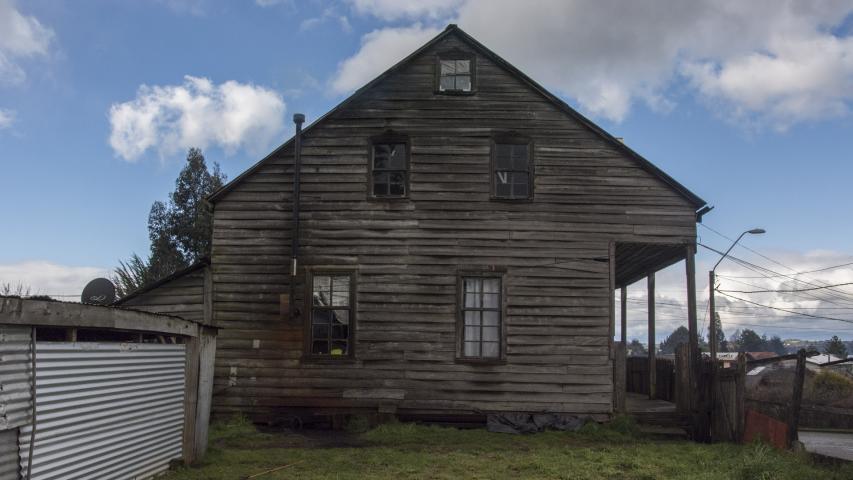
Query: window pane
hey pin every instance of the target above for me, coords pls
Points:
(340, 332)
(490, 334)
(446, 83)
(471, 349)
(473, 300)
(491, 318)
(380, 155)
(520, 187)
(472, 318)
(502, 189)
(491, 300)
(380, 183)
(321, 317)
(463, 66)
(339, 317)
(519, 157)
(492, 285)
(397, 183)
(339, 347)
(396, 156)
(491, 349)
(320, 332)
(340, 291)
(322, 290)
(473, 285)
(472, 333)
(320, 347)
(502, 156)
(448, 67)
(463, 83)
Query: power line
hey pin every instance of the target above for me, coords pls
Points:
(788, 311)
(758, 269)
(788, 291)
(766, 258)
(779, 326)
(833, 267)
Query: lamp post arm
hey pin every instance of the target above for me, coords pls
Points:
(727, 251)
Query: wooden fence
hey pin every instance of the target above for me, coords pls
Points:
(637, 377)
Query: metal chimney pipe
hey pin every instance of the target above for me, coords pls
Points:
(298, 119)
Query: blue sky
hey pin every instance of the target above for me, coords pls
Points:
(749, 110)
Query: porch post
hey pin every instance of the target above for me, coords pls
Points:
(652, 359)
(692, 364)
(624, 314)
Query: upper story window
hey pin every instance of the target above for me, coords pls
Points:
(455, 73)
(512, 169)
(389, 167)
(331, 315)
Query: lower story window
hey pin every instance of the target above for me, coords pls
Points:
(331, 315)
(481, 317)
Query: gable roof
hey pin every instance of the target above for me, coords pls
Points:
(691, 197)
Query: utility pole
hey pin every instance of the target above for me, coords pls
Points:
(712, 279)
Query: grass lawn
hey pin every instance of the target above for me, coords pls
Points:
(394, 451)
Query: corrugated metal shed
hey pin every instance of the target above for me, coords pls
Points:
(14, 376)
(106, 410)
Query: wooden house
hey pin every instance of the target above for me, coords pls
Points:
(461, 233)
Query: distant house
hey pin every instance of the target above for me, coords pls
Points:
(760, 355)
(461, 233)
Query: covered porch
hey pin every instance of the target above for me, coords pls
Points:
(633, 262)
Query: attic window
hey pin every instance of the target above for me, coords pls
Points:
(455, 73)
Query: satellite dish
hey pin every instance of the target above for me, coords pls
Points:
(99, 291)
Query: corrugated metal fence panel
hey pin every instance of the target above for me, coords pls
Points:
(106, 410)
(15, 386)
(9, 454)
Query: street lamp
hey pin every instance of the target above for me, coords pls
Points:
(712, 330)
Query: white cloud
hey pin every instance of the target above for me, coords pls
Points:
(197, 113)
(398, 9)
(7, 118)
(21, 37)
(328, 14)
(380, 50)
(46, 278)
(776, 62)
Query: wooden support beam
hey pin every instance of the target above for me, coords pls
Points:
(624, 314)
(693, 360)
(207, 357)
(191, 370)
(652, 357)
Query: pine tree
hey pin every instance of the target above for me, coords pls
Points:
(676, 338)
(776, 346)
(722, 344)
(179, 229)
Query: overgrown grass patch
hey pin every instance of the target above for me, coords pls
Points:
(395, 451)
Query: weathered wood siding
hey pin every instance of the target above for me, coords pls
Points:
(407, 252)
(182, 297)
